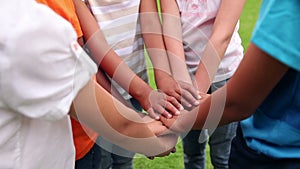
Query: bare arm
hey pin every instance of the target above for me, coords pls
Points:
(224, 26)
(103, 80)
(244, 92)
(158, 49)
(114, 66)
(152, 34)
(172, 32)
(104, 54)
(97, 109)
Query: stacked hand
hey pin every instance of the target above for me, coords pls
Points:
(183, 92)
(157, 104)
(167, 137)
(171, 98)
(185, 121)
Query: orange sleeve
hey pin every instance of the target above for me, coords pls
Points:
(66, 9)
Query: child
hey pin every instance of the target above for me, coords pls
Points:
(264, 91)
(38, 84)
(210, 34)
(119, 36)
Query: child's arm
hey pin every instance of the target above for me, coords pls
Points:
(96, 108)
(172, 32)
(103, 80)
(159, 54)
(224, 26)
(113, 65)
(239, 99)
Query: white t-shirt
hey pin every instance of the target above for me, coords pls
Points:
(197, 18)
(42, 68)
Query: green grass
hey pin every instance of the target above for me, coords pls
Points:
(175, 161)
(247, 21)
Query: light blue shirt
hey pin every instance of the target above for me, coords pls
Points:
(274, 129)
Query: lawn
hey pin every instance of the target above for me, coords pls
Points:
(175, 161)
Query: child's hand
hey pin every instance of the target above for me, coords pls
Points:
(174, 124)
(167, 137)
(158, 103)
(185, 121)
(157, 127)
(180, 124)
(189, 94)
(184, 93)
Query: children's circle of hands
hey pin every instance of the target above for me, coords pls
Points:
(165, 107)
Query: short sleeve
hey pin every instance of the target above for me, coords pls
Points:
(66, 9)
(45, 67)
(277, 31)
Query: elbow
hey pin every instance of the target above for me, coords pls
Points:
(124, 128)
(237, 111)
(221, 40)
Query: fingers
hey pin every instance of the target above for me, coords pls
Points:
(152, 114)
(166, 110)
(176, 92)
(173, 105)
(185, 102)
(157, 128)
(168, 107)
(188, 100)
(162, 104)
(167, 122)
(191, 89)
(185, 94)
(190, 96)
(178, 124)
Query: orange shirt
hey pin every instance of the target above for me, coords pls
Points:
(84, 139)
(66, 9)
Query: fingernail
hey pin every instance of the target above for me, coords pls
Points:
(199, 97)
(189, 105)
(157, 118)
(169, 116)
(177, 113)
(196, 102)
(181, 107)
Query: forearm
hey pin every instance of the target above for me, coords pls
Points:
(152, 34)
(109, 118)
(245, 91)
(103, 80)
(239, 99)
(222, 31)
(207, 67)
(172, 32)
(103, 54)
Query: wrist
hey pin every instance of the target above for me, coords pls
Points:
(158, 73)
(160, 76)
(140, 92)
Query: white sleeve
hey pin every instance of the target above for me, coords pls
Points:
(43, 67)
